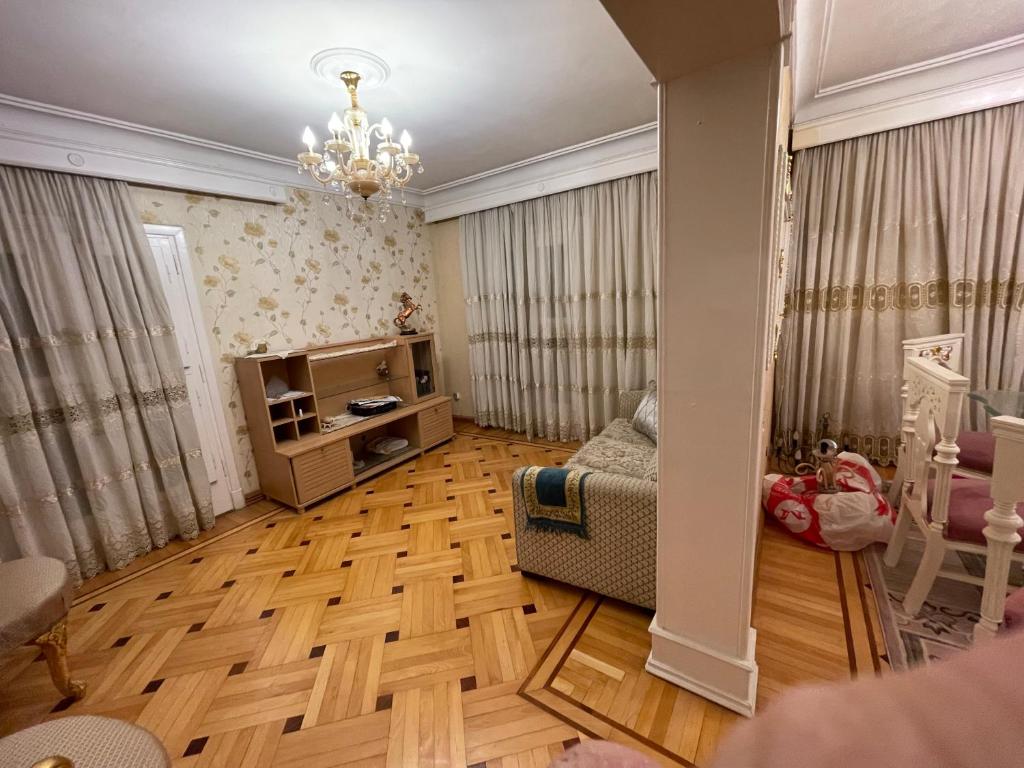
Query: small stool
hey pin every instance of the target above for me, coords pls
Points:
(35, 596)
(83, 741)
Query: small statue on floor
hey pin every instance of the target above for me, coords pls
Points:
(825, 455)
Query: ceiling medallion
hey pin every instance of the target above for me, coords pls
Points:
(349, 162)
(329, 63)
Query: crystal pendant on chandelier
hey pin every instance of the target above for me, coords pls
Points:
(347, 160)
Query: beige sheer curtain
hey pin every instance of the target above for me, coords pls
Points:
(99, 454)
(906, 233)
(561, 306)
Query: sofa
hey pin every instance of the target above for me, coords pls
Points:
(618, 559)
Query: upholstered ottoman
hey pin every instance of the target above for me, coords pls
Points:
(87, 742)
(35, 596)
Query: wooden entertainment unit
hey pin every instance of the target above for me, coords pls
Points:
(299, 463)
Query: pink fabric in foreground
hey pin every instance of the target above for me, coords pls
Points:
(602, 754)
(961, 712)
(1013, 611)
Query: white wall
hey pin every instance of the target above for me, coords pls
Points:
(452, 334)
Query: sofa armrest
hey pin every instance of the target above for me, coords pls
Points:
(629, 401)
(620, 556)
(609, 495)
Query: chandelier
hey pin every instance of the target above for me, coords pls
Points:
(347, 160)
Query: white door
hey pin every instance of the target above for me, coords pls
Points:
(168, 246)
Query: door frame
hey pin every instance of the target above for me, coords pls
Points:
(206, 362)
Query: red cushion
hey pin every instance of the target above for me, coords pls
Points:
(969, 500)
(977, 450)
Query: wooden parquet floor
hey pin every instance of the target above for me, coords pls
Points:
(390, 626)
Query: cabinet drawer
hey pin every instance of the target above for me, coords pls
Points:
(435, 424)
(322, 471)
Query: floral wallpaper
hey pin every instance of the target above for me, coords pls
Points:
(314, 270)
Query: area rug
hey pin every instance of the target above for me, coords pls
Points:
(946, 622)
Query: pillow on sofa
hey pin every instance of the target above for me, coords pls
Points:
(645, 420)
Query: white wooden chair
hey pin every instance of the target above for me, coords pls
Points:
(956, 513)
(948, 350)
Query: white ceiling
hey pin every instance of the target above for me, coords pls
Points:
(878, 63)
(479, 83)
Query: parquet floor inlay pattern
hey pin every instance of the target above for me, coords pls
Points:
(389, 625)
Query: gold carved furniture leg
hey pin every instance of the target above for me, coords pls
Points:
(54, 762)
(55, 647)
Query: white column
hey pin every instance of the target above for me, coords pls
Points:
(719, 144)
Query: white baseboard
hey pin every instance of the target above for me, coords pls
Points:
(237, 498)
(723, 679)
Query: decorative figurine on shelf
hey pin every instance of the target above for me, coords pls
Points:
(408, 307)
(382, 369)
(825, 455)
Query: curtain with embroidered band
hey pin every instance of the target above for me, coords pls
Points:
(99, 453)
(561, 306)
(912, 232)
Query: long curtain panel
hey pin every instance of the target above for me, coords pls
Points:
(99, 453)
(561, 306)
(907, 233)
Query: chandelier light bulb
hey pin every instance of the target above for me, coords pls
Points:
(334, 125)
(406, 141)
(385, 126)
(308, 138)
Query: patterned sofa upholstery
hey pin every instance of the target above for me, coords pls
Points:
(619, 557)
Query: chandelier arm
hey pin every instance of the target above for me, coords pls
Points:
(318, 176)
(403, 180)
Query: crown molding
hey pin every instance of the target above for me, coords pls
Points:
(54, 138)
(611, 137)
(45, 136)
(89, 117)
(935, 104)
(609, 157)
(986, 49)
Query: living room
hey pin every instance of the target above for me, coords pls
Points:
(531, 383)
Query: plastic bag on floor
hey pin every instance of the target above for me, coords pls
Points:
(858, 515)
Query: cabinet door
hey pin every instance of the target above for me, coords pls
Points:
(436, 424)
(322, 470)
(424, 367)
